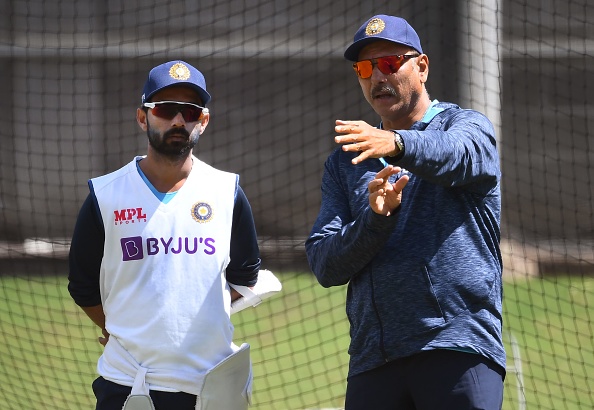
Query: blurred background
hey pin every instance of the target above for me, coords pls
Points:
(71, 76)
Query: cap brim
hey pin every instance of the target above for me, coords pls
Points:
(352, 52)
(203, 94)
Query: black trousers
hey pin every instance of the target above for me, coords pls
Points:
(111, 396)
(433, 380)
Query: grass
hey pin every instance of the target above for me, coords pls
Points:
(553, 322)
(299, 339)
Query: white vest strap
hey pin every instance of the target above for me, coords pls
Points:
(121, 359)
(139, 398)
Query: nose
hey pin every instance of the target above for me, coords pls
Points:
(178, 120)
(377, 76)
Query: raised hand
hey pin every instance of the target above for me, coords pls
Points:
(385, 197)
(371, 142)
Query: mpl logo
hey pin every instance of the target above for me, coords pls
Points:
(129, 215)
(132, 248)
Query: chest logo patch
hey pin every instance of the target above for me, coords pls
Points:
(201, 212)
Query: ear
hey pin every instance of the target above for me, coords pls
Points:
(204, 120)
(423, 67)
(141, 118)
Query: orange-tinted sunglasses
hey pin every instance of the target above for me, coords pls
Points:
(387, 64)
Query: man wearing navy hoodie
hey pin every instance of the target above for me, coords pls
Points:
(410, 220)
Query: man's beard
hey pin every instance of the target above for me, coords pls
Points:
(165, 145)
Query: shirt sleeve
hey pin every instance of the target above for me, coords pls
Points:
(245, 254)
(86, 254)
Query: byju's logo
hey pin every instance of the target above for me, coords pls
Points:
(129, 215)
(132, 248)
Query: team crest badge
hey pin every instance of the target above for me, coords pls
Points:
(375, 26)
(179, 72)
(201, 212)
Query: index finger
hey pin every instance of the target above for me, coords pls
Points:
(387, 171)
(347, 127)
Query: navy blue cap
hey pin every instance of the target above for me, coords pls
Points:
(175, 73)
(382, 27)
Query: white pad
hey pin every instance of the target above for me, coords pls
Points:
(267, 285)
(138, 402)
(228, 385)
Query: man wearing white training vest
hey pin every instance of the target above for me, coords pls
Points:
(155, 247)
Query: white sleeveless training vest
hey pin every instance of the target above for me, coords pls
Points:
(163, 287)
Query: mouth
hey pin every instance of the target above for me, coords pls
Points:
(382, 96)
(176, 141)
(176, 136)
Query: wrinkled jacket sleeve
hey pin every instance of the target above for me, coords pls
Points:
(341, 244)
(461, 153)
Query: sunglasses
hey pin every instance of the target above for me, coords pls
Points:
(387, 65)
(169, 109)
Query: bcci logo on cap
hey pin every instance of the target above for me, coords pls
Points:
(201, 212)
(179, 72)
(375, 26)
